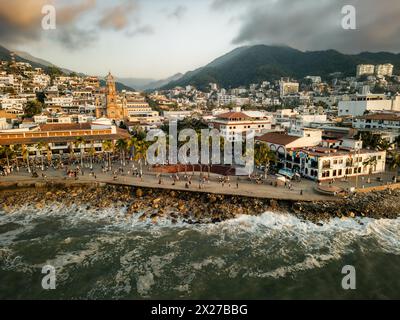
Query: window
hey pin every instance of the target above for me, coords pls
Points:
(326, 174)
(326, 164)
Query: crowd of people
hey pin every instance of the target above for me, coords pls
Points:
(121, 169)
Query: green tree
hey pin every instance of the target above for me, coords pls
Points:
(395, 161)
(370, 162)
(33, 108)
(6, 151)
(263, 156)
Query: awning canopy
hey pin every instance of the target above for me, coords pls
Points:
(287, 173)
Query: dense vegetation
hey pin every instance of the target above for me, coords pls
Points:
(247, 65)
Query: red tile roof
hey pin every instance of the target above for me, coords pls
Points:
(277, 138)
(65, 126)
(233, 115)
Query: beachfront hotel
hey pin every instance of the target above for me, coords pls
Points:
(60, 138)
(308, 155)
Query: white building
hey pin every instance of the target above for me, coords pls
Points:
(6, 79)
(327, 164)
(4, 124)
(303, 155)
(306, 120)
(385, 121)
(365, 69)
(42, 80)
(281, 143)
(59, 102)
(233, 124)
(385, 70)
(17, 104)
(288, 88)
(176, 115)
(314, 79)
(362, 103)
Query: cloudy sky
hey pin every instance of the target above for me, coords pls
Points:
(158, 38)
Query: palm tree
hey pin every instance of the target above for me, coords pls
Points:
(263, 156)
(40, 146)
(369, 139)
(92, 153)
(6, 150)
(385, 145)
(371, 162)
(71, 151)
(80, 143)
(49, 153)
(25, 156)
(16, 150)
(108, 148)
(122, 146)
(141, 153)
(395, 163)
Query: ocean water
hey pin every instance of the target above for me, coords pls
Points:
(106, 255)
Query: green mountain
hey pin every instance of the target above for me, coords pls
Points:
(21, 56)
(5, 55)
(118, 85)
(246, 65)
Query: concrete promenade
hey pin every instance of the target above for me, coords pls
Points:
(301, 191)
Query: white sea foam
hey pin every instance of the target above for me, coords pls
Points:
(270, 245)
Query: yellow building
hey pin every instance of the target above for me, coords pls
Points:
(115, 106)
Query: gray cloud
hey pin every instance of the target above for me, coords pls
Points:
(20, 21)
(141, 30)
(117, 17)
(74, 38)
(316, 25)
(178, 13)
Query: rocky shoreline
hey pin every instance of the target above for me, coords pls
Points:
(196, 207)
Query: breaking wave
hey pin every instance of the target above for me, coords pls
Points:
(124, 257)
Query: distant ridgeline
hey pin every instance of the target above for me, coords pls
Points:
(6, 55)
(247, 65)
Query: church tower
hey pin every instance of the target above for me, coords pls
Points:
(111, 98)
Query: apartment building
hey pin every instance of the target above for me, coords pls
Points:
(385, 70)
(359, 104)
(233, 124)
(365, 69)
(385, 121)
